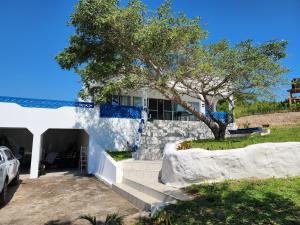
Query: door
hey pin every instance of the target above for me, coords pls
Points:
(11, 163)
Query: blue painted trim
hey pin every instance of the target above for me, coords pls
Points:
(223, 116)
(120, 111)
(44, 103)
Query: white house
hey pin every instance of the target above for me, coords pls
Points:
(40, 129)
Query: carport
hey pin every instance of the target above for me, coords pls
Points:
(61, 149)
(19, 140)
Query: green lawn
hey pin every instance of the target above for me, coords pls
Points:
(120, 155)
(280, 134)
(269, 201)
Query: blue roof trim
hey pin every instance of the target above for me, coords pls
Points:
(44, 103)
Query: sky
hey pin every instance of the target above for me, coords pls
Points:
(32, 32)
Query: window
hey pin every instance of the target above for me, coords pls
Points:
(125, 100)
(137, 102)
(115, 100)
(9, 155)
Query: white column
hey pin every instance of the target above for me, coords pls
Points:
(231, 103)
(35, 155)
(145, 103)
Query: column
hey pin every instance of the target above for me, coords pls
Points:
(231, 108)
(35, 155)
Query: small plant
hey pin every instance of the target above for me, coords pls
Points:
(163, 218)
(246, 125)
(91, 219)
(111, 219)
(184, 145)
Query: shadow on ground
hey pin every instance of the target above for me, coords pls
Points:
(58, 222)
(12, 189)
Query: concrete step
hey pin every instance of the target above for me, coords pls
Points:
(137, 198)
(157, 190)
(149, 154)
(141, 165)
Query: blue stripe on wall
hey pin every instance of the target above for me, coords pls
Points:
(44, 103)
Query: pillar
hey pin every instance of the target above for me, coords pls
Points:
(290, 98)
(231, 109)
(35, 155)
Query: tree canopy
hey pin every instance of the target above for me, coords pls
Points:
(130, 47)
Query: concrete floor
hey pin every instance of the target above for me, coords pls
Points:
(59, 200)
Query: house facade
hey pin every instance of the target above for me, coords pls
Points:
(54, 132)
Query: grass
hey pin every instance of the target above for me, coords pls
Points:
(278, 134)
(269, 201)
(120, 155)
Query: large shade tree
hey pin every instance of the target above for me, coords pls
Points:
(128, 48)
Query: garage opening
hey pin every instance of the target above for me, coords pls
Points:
(64, 150)
(19, 140)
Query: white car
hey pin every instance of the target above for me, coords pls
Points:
(9, 172)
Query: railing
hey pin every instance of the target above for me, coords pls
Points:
(223, 116)
(44, 103)
(120, 111)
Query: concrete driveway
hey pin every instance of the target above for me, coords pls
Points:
(59, 200)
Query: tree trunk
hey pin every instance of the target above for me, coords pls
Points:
(219, 133)
(218, 129)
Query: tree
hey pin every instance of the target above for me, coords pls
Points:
(127, 48)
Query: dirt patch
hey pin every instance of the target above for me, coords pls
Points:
(60, 200)
(274, 119)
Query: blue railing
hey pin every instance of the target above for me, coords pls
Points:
(223, 116)
(120, 111)
(45, 103)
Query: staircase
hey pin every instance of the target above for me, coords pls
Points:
(158, 133)
(141, 186)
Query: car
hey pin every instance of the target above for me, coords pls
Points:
(9, 172)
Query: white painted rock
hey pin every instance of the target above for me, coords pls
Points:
(185, 167)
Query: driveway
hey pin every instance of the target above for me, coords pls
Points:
(59, 200)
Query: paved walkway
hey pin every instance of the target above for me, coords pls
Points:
(59, 200)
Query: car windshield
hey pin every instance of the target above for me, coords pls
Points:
(9, 155)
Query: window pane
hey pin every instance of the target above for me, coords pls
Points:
(167, 105)
(152, 104)
(137, 102)
(115, 100)
(125, 100)
(8, 155)
(168, 116)
(153, 114)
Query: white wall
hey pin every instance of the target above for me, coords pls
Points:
(104, 133)
(186, 167)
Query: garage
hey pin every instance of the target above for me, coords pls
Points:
(19, 140)
(63, 150)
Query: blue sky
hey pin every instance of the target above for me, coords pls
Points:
(34, 31)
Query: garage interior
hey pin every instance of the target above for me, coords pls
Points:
(61, 149)
(19, 140)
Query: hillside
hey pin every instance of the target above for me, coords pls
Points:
(273, 119)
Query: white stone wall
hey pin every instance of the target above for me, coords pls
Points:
(185, 167)
(160, 132)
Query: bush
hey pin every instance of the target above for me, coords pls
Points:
(263, 107)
